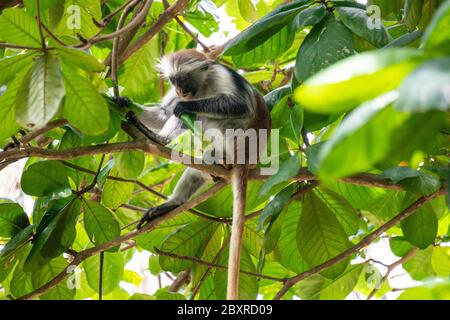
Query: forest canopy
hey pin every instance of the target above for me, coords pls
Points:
(359, 92)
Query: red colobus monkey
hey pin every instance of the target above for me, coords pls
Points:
(221, 99)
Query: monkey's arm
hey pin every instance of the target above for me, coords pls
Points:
(218, 107)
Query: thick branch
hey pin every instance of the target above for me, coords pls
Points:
(362, 244)
(83, 255)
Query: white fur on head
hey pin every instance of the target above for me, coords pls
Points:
(181, 62)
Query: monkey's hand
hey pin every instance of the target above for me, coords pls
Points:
(154, 213)
(183, 107)
(122, 102)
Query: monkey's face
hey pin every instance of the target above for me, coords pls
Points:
(187, 70)
(187, 81)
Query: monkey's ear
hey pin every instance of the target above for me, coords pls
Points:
(213, 52)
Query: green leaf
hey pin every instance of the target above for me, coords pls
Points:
(99, 223)
(20, 284)
(358, 22)
(79, 18)
(426, 88)
(11, 66)
(357, 79)
(113, 267)
(318, 287)
(164, 294)
(130, 164)
(275, 206)
(42, 91)
(84, 107)
(270, 49)
(435, 292)
(52, 177)
(413, 13)
(320, 236)
(57, 236)
(440, 260)
(436, 35)
(247, 10)
(289, 254)
(413, 180)
(16, 242)
(116, 193)
(409, 39)
(48, 272)
(347, 152)
(399, 246)
(419, 267)
(328, 42)
(344, 212)
(275, 96)
(79, 59)
(287, 170)
(19, 27)
(309, 17)
(187, 241)
(139, 69)
(12, 219)
(9, 126)
(421, 227)
(264, 28)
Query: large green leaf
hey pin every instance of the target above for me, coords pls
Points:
(413, 13)
(289, 254)
(318, 287)
(52, 177)
(99, 223)
(419, 267)
(130, 164)
(12, 219)
(41, 94)
(56, 237)
(275, 206)
(421, 227)
(328, 42)
(270, 49)
(113, 267)
(413, 180)
(264, 28)
(309, 17)
(344, 212)
(320, 236)
(48, 272)
(287, 170)
(11, 66)
(357, 21)
(84, 107)
(16, 242)
(9, 126)
(440, 260)
(116, 193)
(139, 69)
(79, 59)
(20, 284)
(186, 241)
(357, 79)
(426, 88)
(348, 152)
(19, 27)
(437, 36)
(78, 18)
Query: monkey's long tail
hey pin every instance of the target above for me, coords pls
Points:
(239, 177)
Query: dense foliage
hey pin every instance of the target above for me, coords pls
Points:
(361, 104)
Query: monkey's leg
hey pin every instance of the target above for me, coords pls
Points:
(189, 183)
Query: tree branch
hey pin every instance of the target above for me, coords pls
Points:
(83, 255)
(182, 278)
(362, 244)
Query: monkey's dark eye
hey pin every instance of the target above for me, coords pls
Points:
(205, 67)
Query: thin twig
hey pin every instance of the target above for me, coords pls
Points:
(100, 276)
(18, 46)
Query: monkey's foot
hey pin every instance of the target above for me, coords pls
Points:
(122, 102)
(154, 213)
